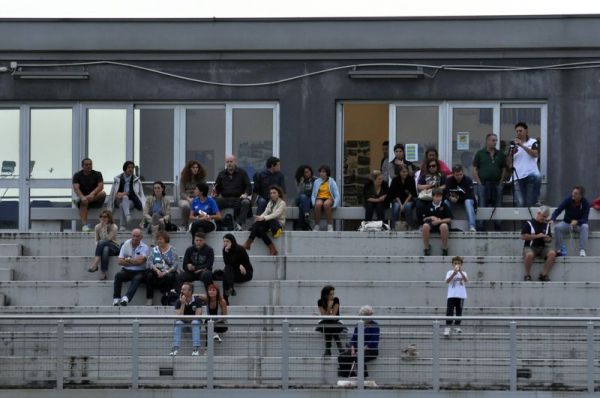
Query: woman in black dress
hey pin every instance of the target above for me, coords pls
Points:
(329, 305)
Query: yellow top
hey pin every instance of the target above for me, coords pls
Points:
(324, 191)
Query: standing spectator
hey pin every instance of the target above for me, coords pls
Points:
(192, 174)
(272, 219)
(216, 305)
(265, 179)
(325, 197)
(106, 243)
(157, 209)
(577, 211)
(305, 181)
(459, 190)
(374, 194)
(88, 185)
(537, 235)
(162, 272)
(197, 262)
(437, 218)
(489, 172)
(348, 360)
(427, 181)
(233, 190)
(383, 166)
(126, 194)
(132, 259)
(204, 211)
(329, 305)
(457, 294)
(187, 305)
(399, 161)
(523, 154)
(402, 195)
(238, 268)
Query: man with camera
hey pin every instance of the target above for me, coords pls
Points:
(523, 155)
(459, 191)
(537, 236)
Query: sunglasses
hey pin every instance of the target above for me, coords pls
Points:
(432, 166)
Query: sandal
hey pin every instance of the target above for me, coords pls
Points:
(527, 278)
(93, 268)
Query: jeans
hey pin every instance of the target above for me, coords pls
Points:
(490, 195)
(187, 276)
(527, 190)
(261, 205)
(452, 304)
(136, 277)
(195, 333)
(240, 206)
(408, 213)
(469, 209)
(105, 249)
(562, 228)
(260, 229)
(202, 226)
(303, 202)
(125, 206)
(378, 208)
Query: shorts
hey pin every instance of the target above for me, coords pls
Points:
(92, 205)
(538, 251)
(435, 228)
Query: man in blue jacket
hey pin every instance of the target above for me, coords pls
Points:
(577, 211)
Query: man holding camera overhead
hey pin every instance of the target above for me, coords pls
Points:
(523, 155)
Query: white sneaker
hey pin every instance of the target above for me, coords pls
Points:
(127, 220)
(317, 227)
(86, 228)
(124, 301)
(122, 228)
(329, 227)
(457, 330)
(446, 332)
(149, 302)
(196, 352)
(582, 253)
(238, 227)
(174, 352)
(217, 338)
(472, 229)
(116, 302)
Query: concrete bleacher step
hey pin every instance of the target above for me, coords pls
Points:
(300, 243)
(306, 293)
(11, 249)
(326, 268)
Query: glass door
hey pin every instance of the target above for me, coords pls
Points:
(10, 172)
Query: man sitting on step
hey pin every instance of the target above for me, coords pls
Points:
(537, 236)
(132, 259)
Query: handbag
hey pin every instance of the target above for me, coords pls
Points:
(426, 195)
(371, 226)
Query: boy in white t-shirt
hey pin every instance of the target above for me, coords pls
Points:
(457, 293)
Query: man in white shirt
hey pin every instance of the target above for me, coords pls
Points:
(132, 259)
(523, 156)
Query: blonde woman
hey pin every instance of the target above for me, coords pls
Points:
(106, 243)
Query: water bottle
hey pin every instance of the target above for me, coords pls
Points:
(563, 250)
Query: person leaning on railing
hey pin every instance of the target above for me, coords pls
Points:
(348, 359)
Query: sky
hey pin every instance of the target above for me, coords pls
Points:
(288, 8)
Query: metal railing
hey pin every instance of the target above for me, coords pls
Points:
(500, 353)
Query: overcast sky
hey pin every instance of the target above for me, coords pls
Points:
(287, 8)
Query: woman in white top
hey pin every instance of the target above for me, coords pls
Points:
(272, 219)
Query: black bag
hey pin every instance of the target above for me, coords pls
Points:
(169, 298)
(170, 227)
(226, 223)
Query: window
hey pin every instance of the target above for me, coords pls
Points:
(106, 141)
(153, 144)
(9, 150)
(51, 143)
(418, 125)
(252, 137)
(205, 139)
(469, 128)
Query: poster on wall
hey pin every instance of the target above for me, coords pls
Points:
(357, 169)
(462, 141)
(411, 152)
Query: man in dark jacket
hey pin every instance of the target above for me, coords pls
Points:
(233, 190)
(577, 211)
(459, 191)
(197, 262)
(263, 180)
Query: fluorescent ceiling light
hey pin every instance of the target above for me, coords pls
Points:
(46, 75)
(386, 74)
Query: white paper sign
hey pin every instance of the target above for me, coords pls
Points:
(411, 152)
(462, 141)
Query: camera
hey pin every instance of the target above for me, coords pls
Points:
(512, 145)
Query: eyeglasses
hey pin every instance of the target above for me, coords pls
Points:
(432, 166)
(103, 216)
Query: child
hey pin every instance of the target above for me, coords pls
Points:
(457, 293)
(436, 218)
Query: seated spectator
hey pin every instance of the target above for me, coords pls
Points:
(132, 259)
(329, 305)
(157, 209)
(436, 218)
(272, 219)
(348, 360)
(264, 180)
(383, 165)
(88, 185)
(374, 193)
(162, 272)
(577, 211)
(427, 181)
(126, 194)
(459, 191)
(402, 195)
(432, 154)
(238, 268)
(107, 243)
(489, 172)
(192, 174)
(197, 262)
(537, 236)
(216, 305)
(305, 181)
(399, 161)
(457, 294)
(233, 190)
(204, 211)
(187, 305)
(325, 197)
